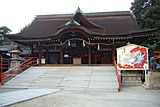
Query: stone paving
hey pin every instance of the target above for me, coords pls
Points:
(23, 95)
(97, 78)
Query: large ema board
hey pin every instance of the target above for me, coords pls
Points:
(132, 57)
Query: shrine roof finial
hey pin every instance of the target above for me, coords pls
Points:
(79, 11)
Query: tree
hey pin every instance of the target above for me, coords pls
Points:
(147, 13)
(25, 28)
(4, 31)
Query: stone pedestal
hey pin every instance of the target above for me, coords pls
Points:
(131, 78)
(14, 62)
(152, 80)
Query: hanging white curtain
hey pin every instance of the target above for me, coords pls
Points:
(69, 43)
(98, 46)
(83, 43)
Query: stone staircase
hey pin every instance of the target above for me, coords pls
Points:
(86, 78)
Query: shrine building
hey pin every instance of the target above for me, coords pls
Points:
(81, 38)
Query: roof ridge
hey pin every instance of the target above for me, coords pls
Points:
(85, 14)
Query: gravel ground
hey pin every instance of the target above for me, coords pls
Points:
(135, 96)
(71, 81)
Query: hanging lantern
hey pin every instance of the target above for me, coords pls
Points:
(98, 46)
(66, 55)
(83, 43)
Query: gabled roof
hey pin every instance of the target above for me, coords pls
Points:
(98, 25)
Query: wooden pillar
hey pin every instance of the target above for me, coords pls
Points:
(113, 53)
(39, 52)
(95, 58)
(61, 55)
(89, 55)
(47, 56)
(1, 64)
(32, 52)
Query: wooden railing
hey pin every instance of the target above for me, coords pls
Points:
(5, 62)
(118, 75)
(32, 61)
(157, 54)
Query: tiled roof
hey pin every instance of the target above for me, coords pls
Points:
(103, 24)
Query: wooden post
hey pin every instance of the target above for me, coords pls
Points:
(47, 56)
(39, 62)
(32, 52)
(2, 74)
(39, 53)
(95, 59)
(89, 55)
(61, 55)
(113, 54)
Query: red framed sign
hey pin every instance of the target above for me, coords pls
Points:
(132, 57)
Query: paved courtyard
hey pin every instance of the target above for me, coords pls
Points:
(80, 87)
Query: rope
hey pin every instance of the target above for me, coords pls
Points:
(81, 40)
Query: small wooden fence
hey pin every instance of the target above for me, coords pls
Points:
(26, 63)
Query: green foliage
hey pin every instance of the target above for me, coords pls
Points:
(25, 28)
(4, 31)
(148, 18)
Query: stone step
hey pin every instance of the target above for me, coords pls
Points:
(132, 83)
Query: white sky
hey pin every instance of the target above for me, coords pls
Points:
(15, 14)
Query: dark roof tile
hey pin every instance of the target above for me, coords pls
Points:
(112, 23)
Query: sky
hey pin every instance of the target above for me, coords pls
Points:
(15, 14)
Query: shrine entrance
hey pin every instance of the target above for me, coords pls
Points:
(77, 52)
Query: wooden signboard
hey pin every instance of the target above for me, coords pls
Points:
(132, 57)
